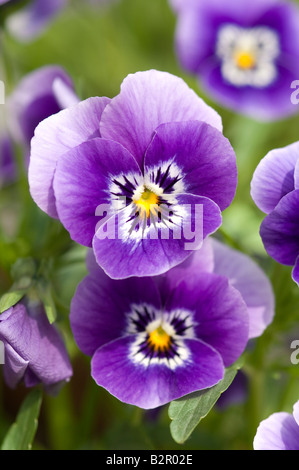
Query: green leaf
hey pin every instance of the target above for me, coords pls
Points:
(45, 294)
(186, 413)
(21, 434)
(11, 298)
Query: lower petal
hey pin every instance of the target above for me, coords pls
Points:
(153, 385)
(278, 432)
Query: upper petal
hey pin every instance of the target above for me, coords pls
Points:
(205, 159)
(148, 99)
(54, 137)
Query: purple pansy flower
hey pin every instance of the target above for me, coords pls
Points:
(39, 94)
(153, 340)
(143, 158)
(33, 349)
(246, 54)
(30, 21)
(279, 432)
(275, 190)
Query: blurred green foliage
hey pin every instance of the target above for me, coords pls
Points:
(99, 47)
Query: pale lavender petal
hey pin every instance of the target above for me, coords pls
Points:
(296, 412)
(14, 367)
(278, 432)
(249, 279)
(53, 138)
(148, 99)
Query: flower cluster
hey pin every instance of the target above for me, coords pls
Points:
(245, 54)
(275, 190)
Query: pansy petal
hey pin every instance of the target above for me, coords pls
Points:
(274, 177)
(296, 412)
(122, 253)
(248, 278)
(201, 260)
(148, 99)
(280, 230)
(36, 341)
(14, 367)
(204, 157)
(278, 432)
(79, 192)
(155, 384)
(219, 313)
(100, 308)
(54, 137)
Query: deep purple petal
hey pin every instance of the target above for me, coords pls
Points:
(219, 312)
(122, 255)
(280, 230)
(248, 278)
(201, 260)
(53, 138)
(154, 385)
(278, 432)
(274, 177)
(205, 159)
(32, 337)
(100, 308)
(82, 183)
(148, 99)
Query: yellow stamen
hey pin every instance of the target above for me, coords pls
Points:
(147, 201)
(245, 59)
(159, 339)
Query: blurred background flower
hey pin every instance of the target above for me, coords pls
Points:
(245, 61)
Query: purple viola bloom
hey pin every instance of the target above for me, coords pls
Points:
(143, 157)
(275, 190)
(31, 20)
(39, 94)
(279, 432)
(34, 351)
(153, 340)
(245, 54)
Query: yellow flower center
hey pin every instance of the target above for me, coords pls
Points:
(245, 60)
(159, 339)
(147, 201)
